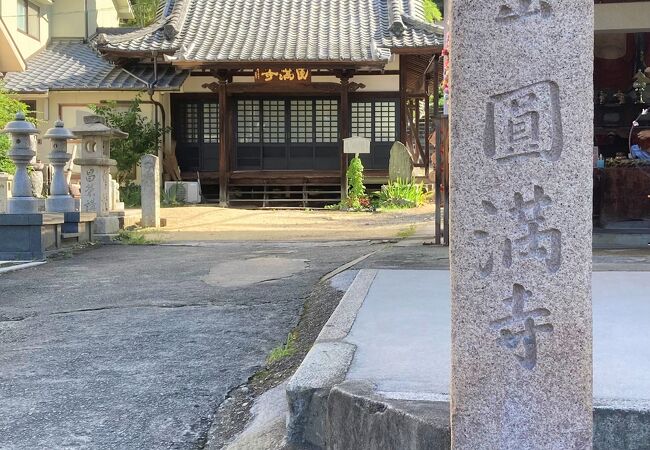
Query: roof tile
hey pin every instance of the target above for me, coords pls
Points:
(282, 30)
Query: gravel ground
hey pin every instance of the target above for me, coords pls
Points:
(209, 223)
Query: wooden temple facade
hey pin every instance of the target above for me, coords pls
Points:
(248, 137)
(270, 93)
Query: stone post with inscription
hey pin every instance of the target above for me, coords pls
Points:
(150, 191)
(521, 201)
(95, 165)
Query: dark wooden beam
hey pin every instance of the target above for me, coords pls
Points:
(402, 99)
(224, 136)
(270, 88)
(344, 125)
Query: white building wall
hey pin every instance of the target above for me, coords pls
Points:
(622, 17)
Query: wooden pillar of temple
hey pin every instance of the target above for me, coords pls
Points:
(403, 99)
(344, 126)
(224, 137)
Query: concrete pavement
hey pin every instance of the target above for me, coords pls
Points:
(136, 346)
(406, 315)
(400, 335)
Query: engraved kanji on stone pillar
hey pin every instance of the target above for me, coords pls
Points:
(521, 118)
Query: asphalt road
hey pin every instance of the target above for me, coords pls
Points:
(136, 346)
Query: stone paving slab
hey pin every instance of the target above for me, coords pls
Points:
(410, 310)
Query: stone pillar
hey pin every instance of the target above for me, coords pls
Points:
(5, 191)
(60, 199)
(117, 204)
(150, 191)
(21, 153)
(95, 165)
(521, 206)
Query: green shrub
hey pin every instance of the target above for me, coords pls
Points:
(8, 109)
(173, 196)
(131, 195)
(357, 198)
(403, 194)
(144, 136)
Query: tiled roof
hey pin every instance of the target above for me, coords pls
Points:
(280, 30)
(73, 65)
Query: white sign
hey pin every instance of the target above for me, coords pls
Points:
(356, 145)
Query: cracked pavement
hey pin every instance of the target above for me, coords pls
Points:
(129, 347)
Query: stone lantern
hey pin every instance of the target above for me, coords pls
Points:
(22, 199)
(60, 199)
(95, 162)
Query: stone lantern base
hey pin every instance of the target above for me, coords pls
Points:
(25, 237)
(60, 203)
(23, 205)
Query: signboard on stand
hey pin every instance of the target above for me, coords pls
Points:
(356, 145)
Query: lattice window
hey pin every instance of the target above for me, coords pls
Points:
(302, 125)
(273, 111)
(248, 121)
(327, 120)
(211, 123)
(191, 134)
(361, 124)
(385, 121)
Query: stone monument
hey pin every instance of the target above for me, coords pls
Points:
(95, 165)
(60, 199)
(400, 166)
(22, 199)
(116, 203)
(521, 200)
(150, 191)
(5, 190)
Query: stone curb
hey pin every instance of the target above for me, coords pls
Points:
(325, 411)
(26, 265)
(325, 366)
(360, 418)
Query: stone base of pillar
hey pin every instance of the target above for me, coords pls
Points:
(78, 227)
(59, 203)
(106, 226)
(25, 237)
(22, 205)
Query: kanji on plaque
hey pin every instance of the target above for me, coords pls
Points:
(282, 75)
(524, 123)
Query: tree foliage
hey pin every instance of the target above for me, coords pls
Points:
(8, 109)
(144, 135)
(432, 11)
(144, 12)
